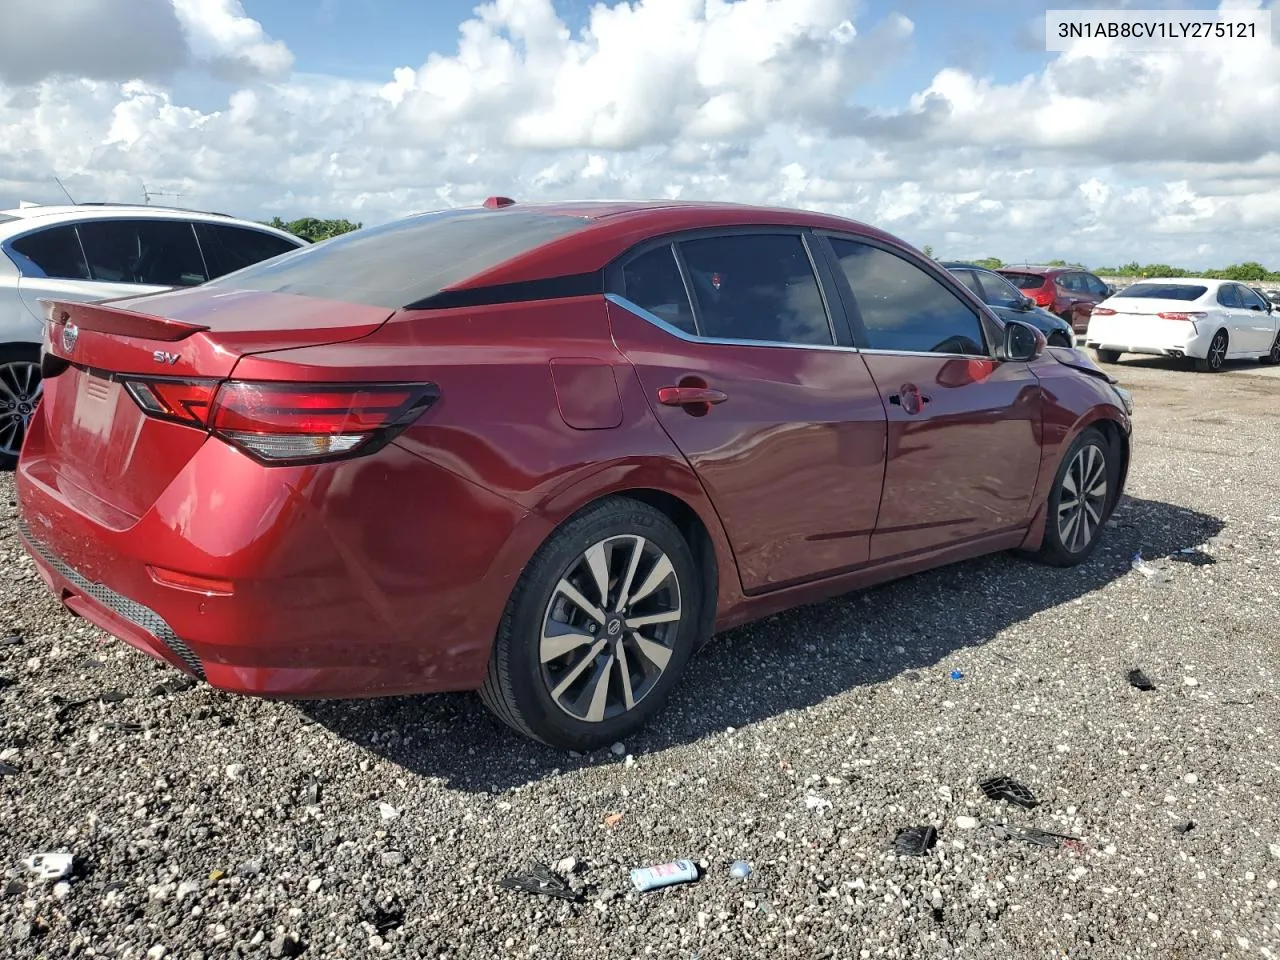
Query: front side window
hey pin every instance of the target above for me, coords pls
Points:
(905, 309)
(652, 281)
(757, 287)
(52, 253)
(970, 280)
(161, 253)
(1249, 299)
(1096, 286)
(1227, 295)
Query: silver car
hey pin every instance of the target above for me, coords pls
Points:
(98, 252)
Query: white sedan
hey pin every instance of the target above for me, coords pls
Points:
(1210, 321)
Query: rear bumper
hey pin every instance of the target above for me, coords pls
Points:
(1156, 338)
(373, 577)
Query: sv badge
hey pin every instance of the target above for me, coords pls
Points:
(161, 357)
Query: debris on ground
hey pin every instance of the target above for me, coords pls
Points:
(383, 917)
(12, 640)
(915, 841)
(1182, 829)
(957, 675)
(1009, 790)
(814, 802)
(176, 685)
(50, 866)
(8, 769)
(566, 865)
(740, 870)
(540, 880)
(1037, 837)
(612, 819)
(664, 875)
(1148, 571)
(1195, 557)
(1139, 680)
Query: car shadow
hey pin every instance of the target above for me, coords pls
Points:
(1181, 364)
(790, 661)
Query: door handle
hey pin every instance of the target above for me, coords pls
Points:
(896, 399)
(684, 396)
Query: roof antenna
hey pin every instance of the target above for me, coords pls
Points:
(65, 191)
(147, 195)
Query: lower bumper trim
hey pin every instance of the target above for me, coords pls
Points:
(143, 617)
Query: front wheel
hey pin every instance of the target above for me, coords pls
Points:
(1079, 501)
(1107, 356)
(20, 388)
(1217, 355)
(598, 629)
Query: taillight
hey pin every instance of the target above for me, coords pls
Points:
(181, 401)
(1180, 316)
(1103, 312)
(287, 423)
(1043, 297)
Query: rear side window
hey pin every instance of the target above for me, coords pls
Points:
(998, 292)
(160, 253)
(652, 281)
(1024, 281)
(1163, 291)
(53, 253)
(757, 287)
(1228, 296)
(227, 249)
(1094, 285)
(405, 262)
(905, 309)
(970, 280)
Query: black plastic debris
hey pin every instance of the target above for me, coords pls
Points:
(7, 682)
(113, 696)
(1182, 829)
(8, 770)
(15, 888)
(383, 917)
(915, 841)
(539, 879)
(124, 726)
(1197, 558)
(1139, 680)
(1008, 790)
(11, 641)
(176, 685)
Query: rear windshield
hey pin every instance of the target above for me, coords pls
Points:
(1024, 281)
(404, 261)
(1163, 291)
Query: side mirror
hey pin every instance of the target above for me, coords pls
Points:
(1022, 342)
(1109, 289)
(1026, 304)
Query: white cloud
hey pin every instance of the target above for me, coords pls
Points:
(1103, 156)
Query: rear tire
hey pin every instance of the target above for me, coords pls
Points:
(1272, 358)
(1080, 500)
(20, 389)
(1107, 356)
(1217, 355)
(570, 666)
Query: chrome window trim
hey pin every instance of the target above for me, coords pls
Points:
(679, 334)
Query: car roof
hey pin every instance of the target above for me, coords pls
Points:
(611, 227)
(1047, 271)
(21, 219)
(964, 265)
(1182, 281)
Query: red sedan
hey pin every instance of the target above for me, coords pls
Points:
(544, 451)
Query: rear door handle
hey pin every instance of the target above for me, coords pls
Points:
(683, 396)
(896, 400)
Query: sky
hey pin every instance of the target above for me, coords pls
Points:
(945, 122)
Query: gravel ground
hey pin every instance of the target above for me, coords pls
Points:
(206, 826)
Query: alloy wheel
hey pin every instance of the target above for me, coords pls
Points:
(1084, 498)
(1218, 351)
(609, 626)
(20, 389)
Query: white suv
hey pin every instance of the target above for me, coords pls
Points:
(97, 252)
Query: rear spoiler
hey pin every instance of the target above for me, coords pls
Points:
(102, 318)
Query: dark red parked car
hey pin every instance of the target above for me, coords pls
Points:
(1068, 292)
(544, 451)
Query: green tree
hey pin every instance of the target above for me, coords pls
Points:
(928, 251)
(991, 263)
(313, 228)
